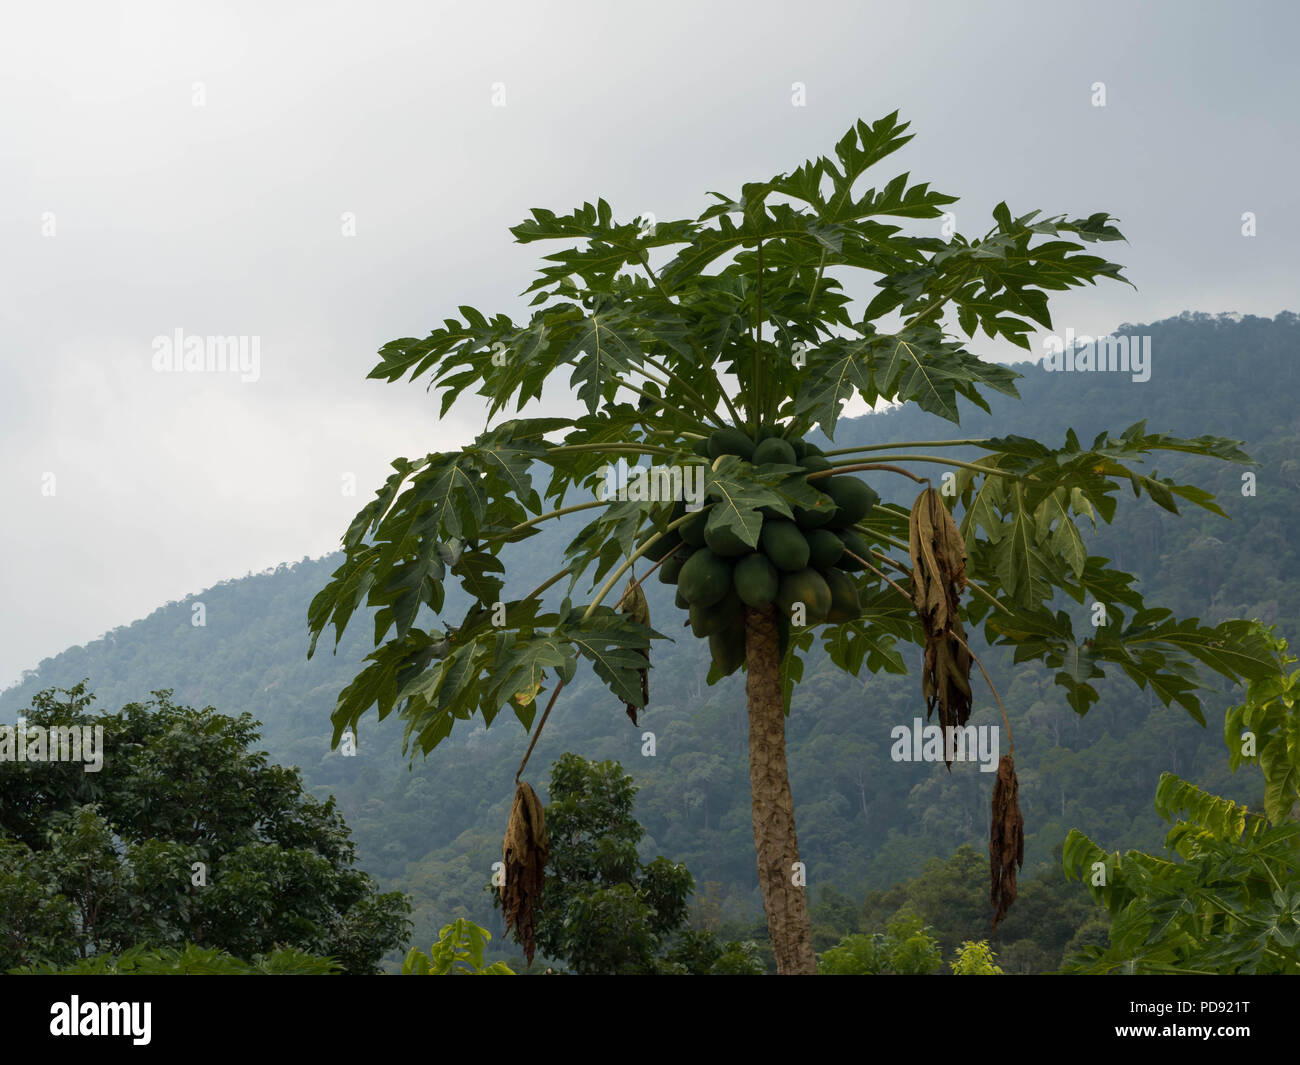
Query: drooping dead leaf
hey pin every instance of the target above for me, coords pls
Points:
(635, 605)
(524, 853)
(938, 577)
(938, 559)
(1006, 840)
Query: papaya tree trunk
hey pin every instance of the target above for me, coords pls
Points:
(784, 900)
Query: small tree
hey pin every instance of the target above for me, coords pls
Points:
(719, 376)
(975, 959)
(185, 837)
(603, 911)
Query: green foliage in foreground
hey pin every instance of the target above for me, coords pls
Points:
(906, 949)
(1229, 902)
(975, 959)
(458, 952)
(191, 961)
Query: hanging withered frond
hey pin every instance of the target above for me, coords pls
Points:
(1006, 840)
(524, 855)
(637, 608)
(938, 577)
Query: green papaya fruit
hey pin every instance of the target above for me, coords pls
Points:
(692, 530)
(808, 587)
(845, 605)
(853, 497)
(660, 548)
(672, 566)
(705, 620)
(705, 578)
(825, 549)
(814, 517)
(726, 542)
(784, 545)
(727, 647)
(774, 450)
(756, 579)
(730, 611)
(853, 544)
(730, 441)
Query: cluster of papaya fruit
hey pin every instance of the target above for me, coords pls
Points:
(806, 561)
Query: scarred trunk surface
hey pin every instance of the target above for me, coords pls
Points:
(773, 805)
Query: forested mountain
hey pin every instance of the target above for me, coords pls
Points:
(866, 823)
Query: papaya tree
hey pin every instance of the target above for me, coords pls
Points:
(710, 348)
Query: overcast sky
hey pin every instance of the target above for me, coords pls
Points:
(188, 166)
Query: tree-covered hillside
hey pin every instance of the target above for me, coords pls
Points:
(866, 822)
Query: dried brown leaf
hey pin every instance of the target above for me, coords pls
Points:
(524, 853)
(1006, 840)
(938, 555)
